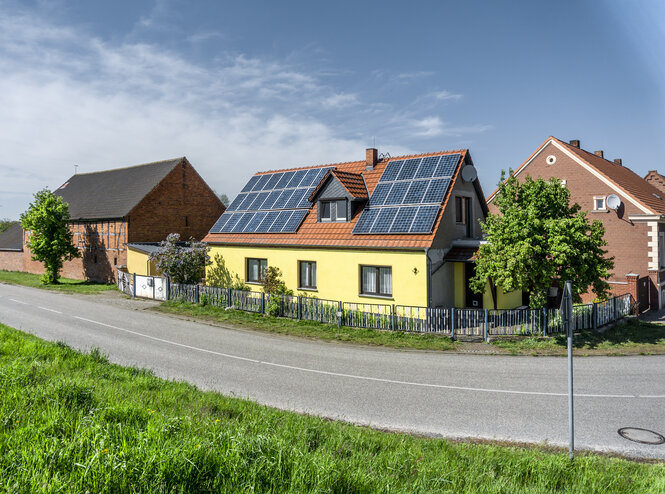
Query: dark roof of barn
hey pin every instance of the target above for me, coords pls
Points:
(12, 238)
(112, 193)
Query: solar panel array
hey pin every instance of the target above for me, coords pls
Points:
(408, 196)
(271, 203)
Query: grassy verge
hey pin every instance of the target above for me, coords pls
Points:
(75, 423)
(66, 285)
(632, 337)
(307, 329)
(629, 338)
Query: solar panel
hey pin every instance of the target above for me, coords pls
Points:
(446, 166)
(236, 202)
(364, 224)
(424, 220)
(279, 222)
(391, 171)
(272, 181)
(436, 191)
(249, 199)
(309, 177)
(286, 178)
(304, 202)
(270, 217)
(297, 178)
(384, 220)
(262, 179)
(270, 200)
(409, 169)
(219, 224)
(427, 167)
(233, 219)
(397, 193)
(249, 185)
(253, 224)
(295, 199)
(403, 219)
(416, 191)
(380, 193)
(256, 203)
(320, 175)
(294, 221)
(242, 222)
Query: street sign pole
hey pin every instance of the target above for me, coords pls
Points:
(567, 314)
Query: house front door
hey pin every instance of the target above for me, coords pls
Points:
(472, 299)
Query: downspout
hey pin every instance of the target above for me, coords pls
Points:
(429, 278)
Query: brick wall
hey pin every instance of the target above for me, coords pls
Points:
(626, 241)
(182, 203)
(11, 260)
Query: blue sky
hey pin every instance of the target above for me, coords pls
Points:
(240, 87)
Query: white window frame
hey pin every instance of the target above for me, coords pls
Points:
(595, 203)
(311, 273)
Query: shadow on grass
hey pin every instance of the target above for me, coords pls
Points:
(630, 332)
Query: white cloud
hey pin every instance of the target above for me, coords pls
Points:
(447, 95)
(433, 126)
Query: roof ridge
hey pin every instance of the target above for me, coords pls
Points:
(177, 160)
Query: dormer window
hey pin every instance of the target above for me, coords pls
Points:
(333, 211)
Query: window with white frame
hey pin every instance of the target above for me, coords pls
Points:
(307, 275)
(599, 203)
(377, 280)
(333, 210)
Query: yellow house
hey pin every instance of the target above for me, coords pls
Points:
(399, 230)
(138, 258)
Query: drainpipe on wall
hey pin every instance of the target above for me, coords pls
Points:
(429, 278)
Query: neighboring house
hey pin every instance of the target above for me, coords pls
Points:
(383, 230)
(111, 208)
(11, 248)
(631, 208)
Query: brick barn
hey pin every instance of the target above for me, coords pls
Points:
(111, 208)
(631, 208)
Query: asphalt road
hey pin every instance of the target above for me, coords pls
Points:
(458, 396)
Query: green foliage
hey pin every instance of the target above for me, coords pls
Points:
(49, 237)
(71, 423)
(537, 238)
(273, 283)
(274, 307)
(220, 275)
(204, 299)
(6, 223)
(183, 262)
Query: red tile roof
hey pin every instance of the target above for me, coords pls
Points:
(314, 234)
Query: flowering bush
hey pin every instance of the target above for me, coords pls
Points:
(183, 262)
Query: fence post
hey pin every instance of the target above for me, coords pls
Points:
(263, 302)
(197, 295)
(452, 323)
(299, 308)
(168, 288)
(594, 315)
(133, 284)
(228, 297)
(487, 338)
(339, 313)
(544, 321)
(614, 303)
(392, 318)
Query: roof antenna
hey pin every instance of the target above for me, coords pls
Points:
(76, 169)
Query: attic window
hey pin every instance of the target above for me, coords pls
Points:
(332, 211)
(599, 203)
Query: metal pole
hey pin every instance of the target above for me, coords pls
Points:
(486, 324)
(571, 416)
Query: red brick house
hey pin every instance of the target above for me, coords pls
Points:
(631, 208)
(111, 208)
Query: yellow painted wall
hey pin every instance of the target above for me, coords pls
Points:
(137, 262)
(337, 271)
(506, 300)
(460, 289)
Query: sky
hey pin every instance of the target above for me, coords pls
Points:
(240, 87)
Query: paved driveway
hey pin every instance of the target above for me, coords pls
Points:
(438, 394)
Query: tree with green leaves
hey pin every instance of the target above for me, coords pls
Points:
(49, 236)
(537, 238)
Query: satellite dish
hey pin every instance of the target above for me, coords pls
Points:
(469, 173)
(613, 202)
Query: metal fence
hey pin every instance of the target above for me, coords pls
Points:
(480, 323)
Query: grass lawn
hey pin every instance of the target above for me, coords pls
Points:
(71, 422)
(629, 338)
(66, 285)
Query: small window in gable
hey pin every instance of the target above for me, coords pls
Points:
(332, 211)
(599, 203)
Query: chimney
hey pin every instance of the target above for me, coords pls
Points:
(598, 153)
(371, 155)
(617, 161)
(575, 142)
